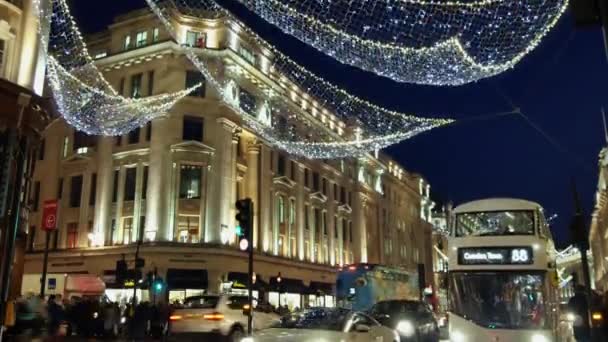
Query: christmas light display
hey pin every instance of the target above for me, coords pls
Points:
(304, 101)
(291, 109)
(84, 97)
(418, 41)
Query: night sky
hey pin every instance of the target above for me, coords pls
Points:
(558, 87)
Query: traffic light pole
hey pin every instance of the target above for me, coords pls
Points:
(250, 288)
(244, 217)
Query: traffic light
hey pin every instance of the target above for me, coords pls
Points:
(158, 285)
(244, 218)
(121, 271)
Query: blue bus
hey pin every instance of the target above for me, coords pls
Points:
(360, 286)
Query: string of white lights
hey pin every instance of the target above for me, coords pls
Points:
(418, 41)
(84, 97)
(293, 109)
(298, 102)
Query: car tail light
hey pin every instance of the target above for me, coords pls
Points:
(175, 317)
(216, 316)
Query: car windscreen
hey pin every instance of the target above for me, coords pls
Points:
(200, 302)
(321, 319)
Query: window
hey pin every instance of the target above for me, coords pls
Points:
(118, 140)
(194, 78)
(127, 42)
(344, 230)
(307, 177)
(188, 229)
(350, 231)
(281, 165)
(281, 206)
(130, 180)
(324, 186)
(112, 232)
(495, 223)
(41, 150)
(66, 145)
(317, 222)
(191, 38)
(144, 190)
(127, 230)
(342, 195)
(247, 54)
(306, 217)
(324, 223)
(141, 39)
(60, 188)
(121, 86)
(190, 181)
(72, 237)
(193, 128)
(136, 91)
(93, 193)
(35, 197)
(82, 141)
(246, 101)
(292, 212)
(149, 131)
(75, 191)
(315, 181)
(150, 83)
(115, 186)
(335, 227)
(133, 136)
(292, 170)
(336, 193)
(155, 34)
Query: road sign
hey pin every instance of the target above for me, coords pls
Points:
(49, 215)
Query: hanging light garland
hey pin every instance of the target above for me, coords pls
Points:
(84, 97)
(418, 41)
(301, 113)
(369, 127)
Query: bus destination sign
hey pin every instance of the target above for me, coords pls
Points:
(495, 256)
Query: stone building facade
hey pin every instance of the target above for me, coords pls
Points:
(174, 182)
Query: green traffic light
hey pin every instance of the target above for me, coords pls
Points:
(159, 286)
(238, 231)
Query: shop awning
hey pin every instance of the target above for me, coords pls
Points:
(84, 284)
(287, 285)
(182, 279)
(320, 288)
(239, 281)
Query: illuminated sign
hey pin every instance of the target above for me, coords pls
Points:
(495, 256)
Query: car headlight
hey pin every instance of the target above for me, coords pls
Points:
(539, 338)
(247, 339)
(457, 336)
(571, 317)
(406, 328)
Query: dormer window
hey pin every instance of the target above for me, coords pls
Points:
(247, 54)
(141, 38)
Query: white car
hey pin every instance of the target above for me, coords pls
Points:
(217, 314)
(326, 324)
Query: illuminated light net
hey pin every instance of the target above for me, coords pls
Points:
(84, 97)
(294, 123)
(418, 41)
(292, 129)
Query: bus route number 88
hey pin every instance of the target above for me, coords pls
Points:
(519, 256)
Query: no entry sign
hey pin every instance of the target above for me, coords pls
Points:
(49, 215)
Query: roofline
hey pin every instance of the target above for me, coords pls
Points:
(494, 204)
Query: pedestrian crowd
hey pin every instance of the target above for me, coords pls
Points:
(31, 317)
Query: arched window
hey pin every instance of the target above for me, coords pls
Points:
(281, 209)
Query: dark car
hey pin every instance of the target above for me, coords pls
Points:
(413, 320)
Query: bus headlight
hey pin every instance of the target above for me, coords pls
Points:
(539, 338)
(406, 328)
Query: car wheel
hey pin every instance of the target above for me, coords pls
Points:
(236, 334)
